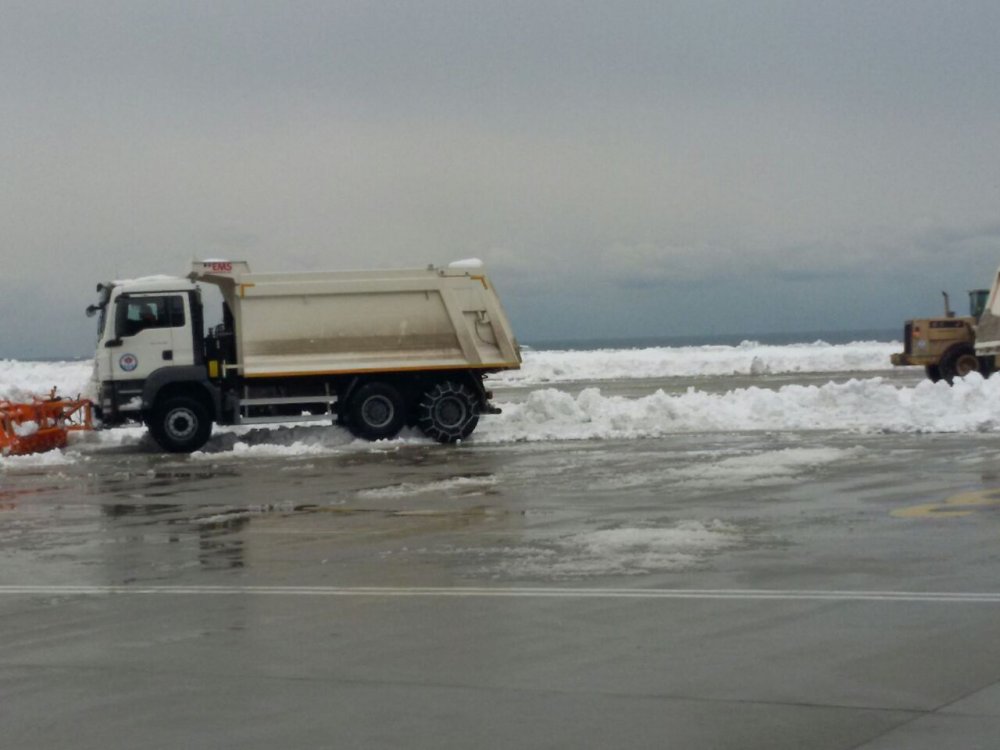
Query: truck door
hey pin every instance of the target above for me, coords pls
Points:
(151, 331)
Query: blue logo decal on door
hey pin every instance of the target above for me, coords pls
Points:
(128, 362)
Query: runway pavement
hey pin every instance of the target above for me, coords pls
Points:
(787, 590)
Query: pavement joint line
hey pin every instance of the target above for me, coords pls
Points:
(463, 686)
(508, 592)
(943, 708)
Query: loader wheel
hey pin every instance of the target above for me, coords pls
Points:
(376, 412)
(180, 424)
(958, 362)
(933, 373)
(449, 411)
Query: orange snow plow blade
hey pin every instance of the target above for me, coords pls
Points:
(41, 424)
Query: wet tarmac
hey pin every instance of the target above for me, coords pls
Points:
(750, 590)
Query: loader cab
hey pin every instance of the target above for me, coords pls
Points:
(977, 302)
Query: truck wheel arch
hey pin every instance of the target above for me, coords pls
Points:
(423, 400)
(191, 382)
(180, 423)
(377, 410)
(449, 410)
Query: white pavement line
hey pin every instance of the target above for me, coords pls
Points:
(523, 592)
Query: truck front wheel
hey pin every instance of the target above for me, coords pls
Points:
(180, 424)
(448, 412)
(376, 412)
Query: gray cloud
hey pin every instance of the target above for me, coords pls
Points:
(615, 164)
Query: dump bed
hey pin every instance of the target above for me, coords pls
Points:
(988, 328)
(290, 324)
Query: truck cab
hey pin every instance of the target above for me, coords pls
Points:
(147, 328)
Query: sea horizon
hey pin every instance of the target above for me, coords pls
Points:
(782, 338)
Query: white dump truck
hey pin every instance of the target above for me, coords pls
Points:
(372, 350)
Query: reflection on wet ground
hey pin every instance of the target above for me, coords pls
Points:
(223, 532)
(550, 511)
(148, 517)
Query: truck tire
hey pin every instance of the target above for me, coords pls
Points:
(933, 373)
(377, 411)
(447, 412)
(958, 361)
(180, 424)
(986, 366)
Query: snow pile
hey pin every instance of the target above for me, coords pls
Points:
(874, 405)
(869, 405)
(627, 550)
(972, 405)
(24, 429)
(749, 358)
(21, 380)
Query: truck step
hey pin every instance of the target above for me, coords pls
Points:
(277, 400)
(274, 420)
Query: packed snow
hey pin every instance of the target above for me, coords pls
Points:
(749, 358)
(859, 406)
(870, 405)
(24, 429)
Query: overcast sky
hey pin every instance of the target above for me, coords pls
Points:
(624, 168)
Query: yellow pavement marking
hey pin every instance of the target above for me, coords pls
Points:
(956, 506)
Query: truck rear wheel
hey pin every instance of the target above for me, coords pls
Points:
(376, 412)
(180, 424)
(958, 361)
(447, 412)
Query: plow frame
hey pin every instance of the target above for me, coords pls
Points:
(41, 424)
